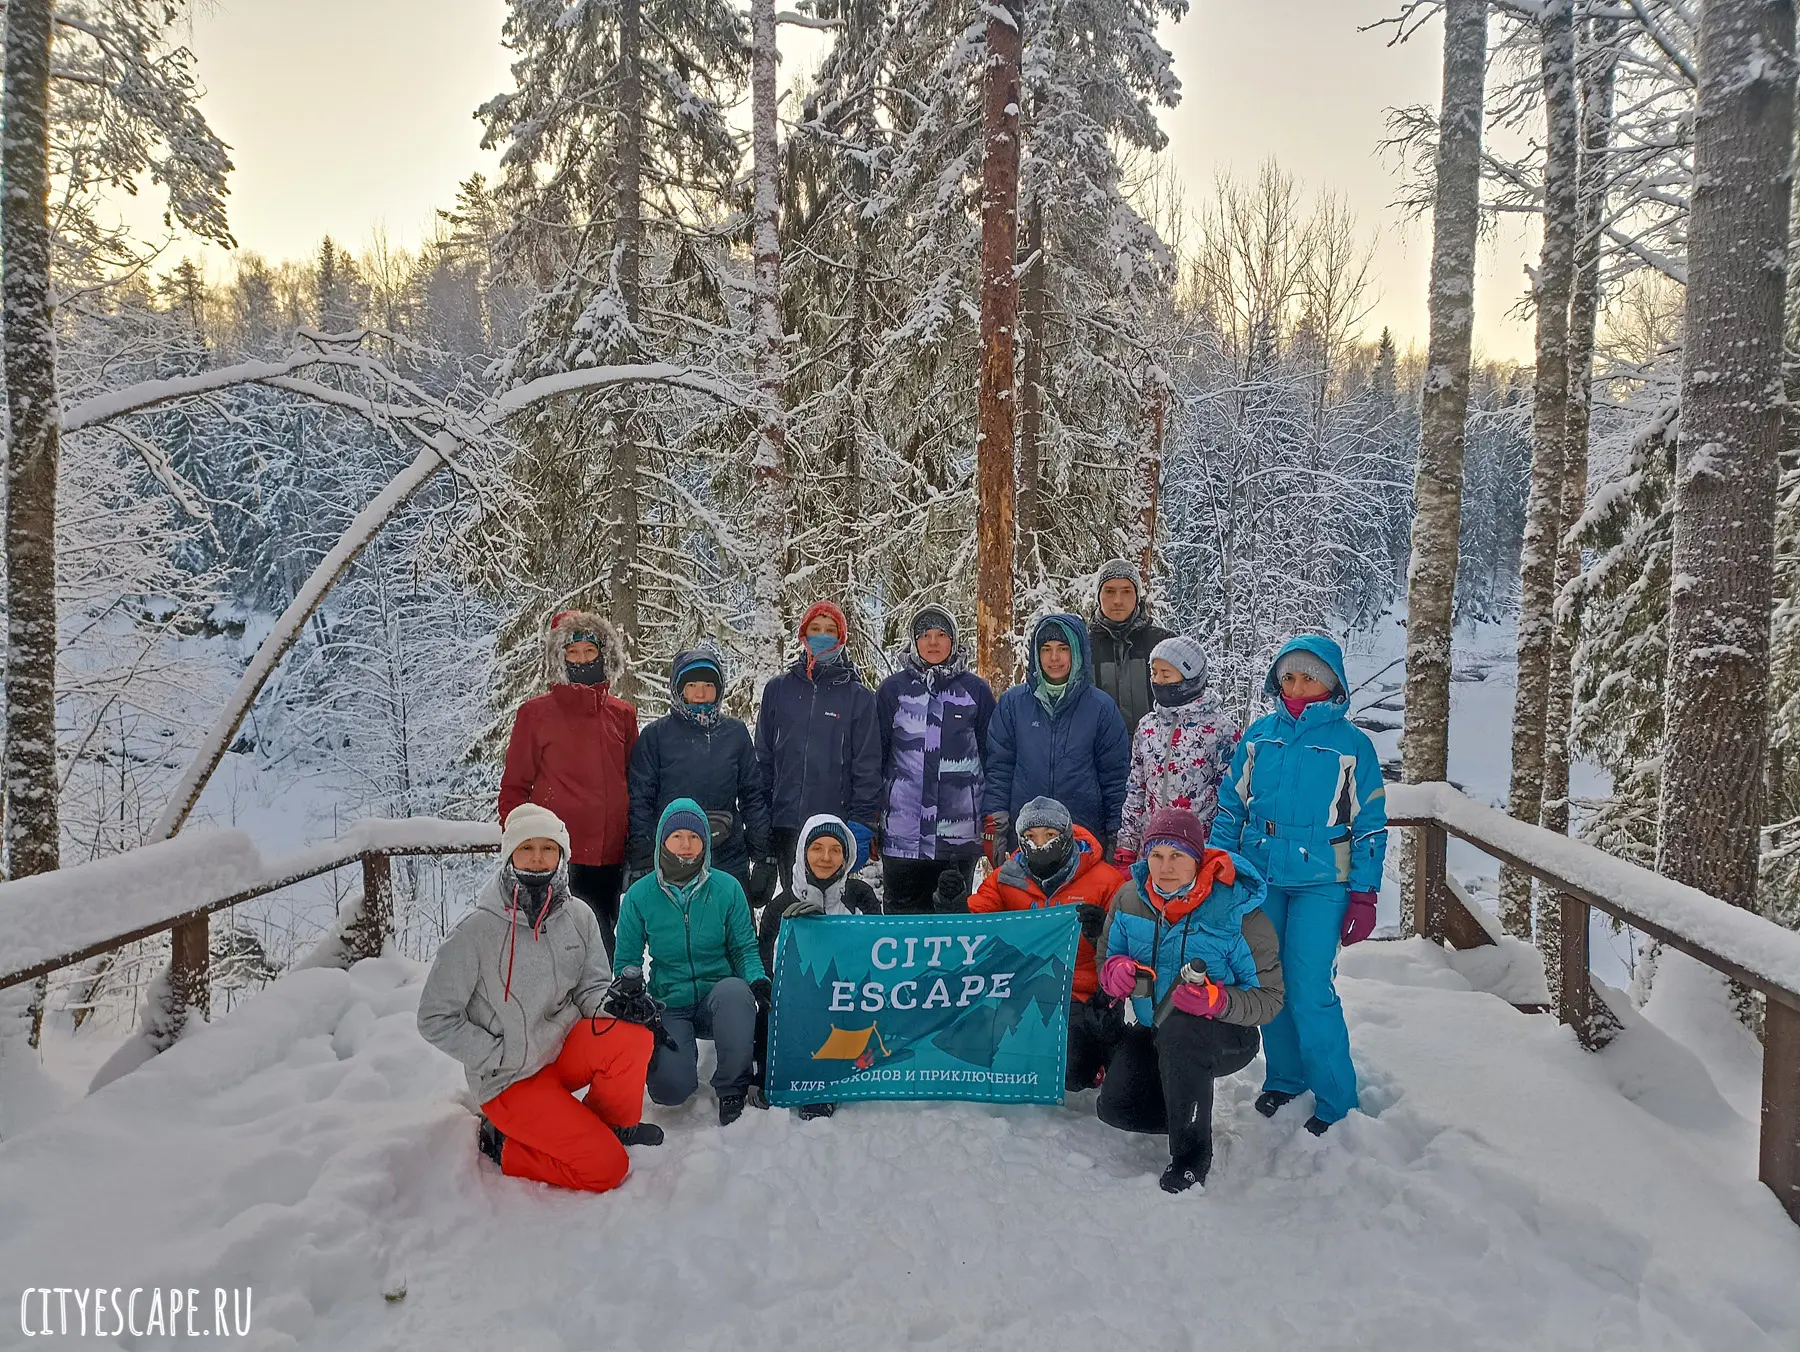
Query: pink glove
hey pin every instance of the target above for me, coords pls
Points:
(1202, 999)
(1359, 920)
(1118, 976)
(1124, 858)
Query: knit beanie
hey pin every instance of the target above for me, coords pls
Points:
(1185, 655)
(827, 608)
(1044, 812)
(529, 821)
(1120, 570)
(699, 667)
(685, 819)
(933, 617)
(1307, 664)
(1178, 827)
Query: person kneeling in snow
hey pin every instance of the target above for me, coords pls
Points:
(1058, 864)
(704, 965)
(517, 994)
(822, 884)
(1189, 946)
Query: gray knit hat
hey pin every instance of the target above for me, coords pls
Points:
(1307, 664)
(1044, 812)
(1120, 570)
(1185, 655)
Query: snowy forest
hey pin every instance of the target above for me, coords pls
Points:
(703, 349)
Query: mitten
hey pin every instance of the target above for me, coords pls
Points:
(1359, 920)
(1204, 999)
(762, 990)
(1124, 858)
(1093, 920)
(1118, 976)
(993, 836)
(865, 842)
(762, 882)
(639, 857)
(952, 896)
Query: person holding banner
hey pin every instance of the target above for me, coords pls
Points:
(933, 714)
(521, 993)
(694, 923)
(1058, 864)
(1055, 735)
(1187, 943)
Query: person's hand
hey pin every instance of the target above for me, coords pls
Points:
(1202, 999)
(1093, 920)
(805, 906)
(762, 882)
(762, 990)
(1124, 858)
(952, 895)
(1118, 976)
(1359, 920)
(640, 858)
(993, 836)
(865, 845)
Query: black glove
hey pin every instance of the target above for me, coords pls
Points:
(1109, 846)
(1093, 920)
(762, 882)
(952, 896)
(639, 857)
(763, 992)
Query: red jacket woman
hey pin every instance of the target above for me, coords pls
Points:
(569, 752)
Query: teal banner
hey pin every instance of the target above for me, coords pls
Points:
(922, 1007)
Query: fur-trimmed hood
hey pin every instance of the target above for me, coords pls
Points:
(565, 622)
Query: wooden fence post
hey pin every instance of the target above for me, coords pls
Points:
(190, 982)
(1780, 1153)
(375, 926)
(1431, 872)
(1572, 986)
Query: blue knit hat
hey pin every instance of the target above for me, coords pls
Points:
(686, 819)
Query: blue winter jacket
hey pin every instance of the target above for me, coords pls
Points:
(675, 757)
(819, 746)
(1211, 933)
(1079, 755)
(1304, 799)
(934, 725)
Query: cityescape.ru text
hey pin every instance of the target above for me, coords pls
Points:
(143, 1312)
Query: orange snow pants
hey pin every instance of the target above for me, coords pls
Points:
(554, 1138)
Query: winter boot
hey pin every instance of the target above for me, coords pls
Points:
(1317, 1125)
(1272, 1101)
(644, 1133)
(488, 1141)
(731, 1107)
(1182, 1175)
(808, 1111)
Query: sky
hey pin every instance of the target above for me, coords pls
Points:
(348, 116)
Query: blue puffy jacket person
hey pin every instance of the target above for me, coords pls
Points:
(1056, 735)
(1304, 803)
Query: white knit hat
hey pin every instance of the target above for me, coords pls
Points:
(529, 821)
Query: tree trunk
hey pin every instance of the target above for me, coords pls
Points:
(1150, 464)
(1549, 433)
(999, 319)
(770, 468)
(1716, 709)
(1031, 403)
(628, 426)
(1444, 408)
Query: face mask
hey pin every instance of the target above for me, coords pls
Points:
(677, 870)
(587, 673)
(820, 644)
(1176, 693)
(1046, 861)
(1295, 705)
(534, 888)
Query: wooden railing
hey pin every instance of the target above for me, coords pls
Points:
(1744, 947)
(59, 919)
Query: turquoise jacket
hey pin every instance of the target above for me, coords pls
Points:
(696, 935)
(1304, 799)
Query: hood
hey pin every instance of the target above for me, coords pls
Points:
(1233, 889)
(952, 666)
(700, 654)
(831, 899)
(612, 647)
(1326, 650)
(1013, 872)
(662, 827)
(1081, 672)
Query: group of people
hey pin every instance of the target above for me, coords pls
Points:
(1214, 874)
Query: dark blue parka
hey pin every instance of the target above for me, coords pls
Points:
(679, 757)
(819, 746)
(1078, 752)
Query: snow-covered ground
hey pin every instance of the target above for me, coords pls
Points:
(1504, 1191)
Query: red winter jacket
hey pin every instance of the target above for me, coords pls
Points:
(1011, 888)
(568, 752)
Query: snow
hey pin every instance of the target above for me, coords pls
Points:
(55, 914)
(1505, 1190)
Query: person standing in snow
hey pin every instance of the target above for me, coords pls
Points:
(1123, 640)
(933, 715)
(818, 743)
(1059, 864)
(1187, 943)
(1181, 749)
(1055, 736)
(694, 923)
(569, 751)
(821, 885)
(1304, 802)
(518, 993)
(695, 751)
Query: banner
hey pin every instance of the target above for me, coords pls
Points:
(922, 1007)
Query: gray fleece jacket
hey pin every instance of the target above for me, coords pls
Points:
(501, 996)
